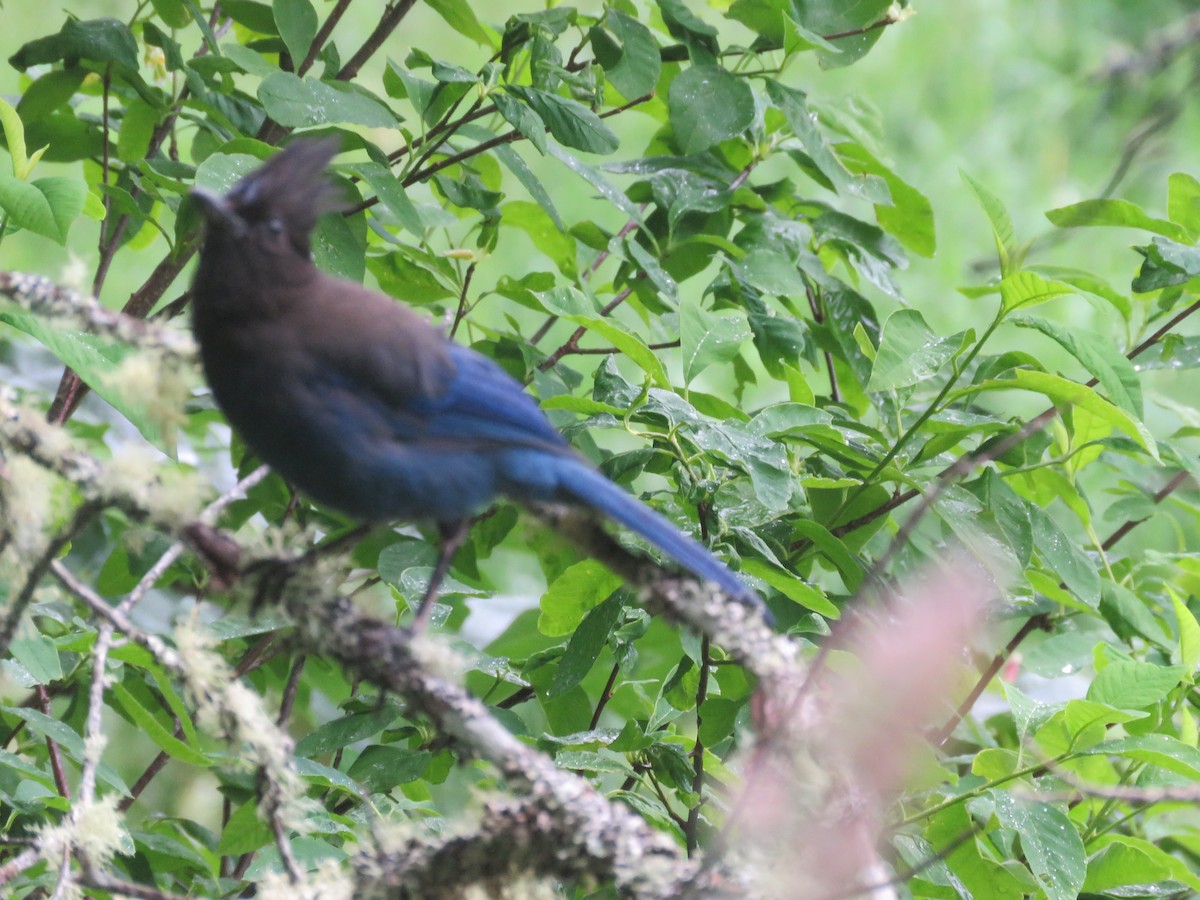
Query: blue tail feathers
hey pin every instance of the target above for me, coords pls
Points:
(586, 486)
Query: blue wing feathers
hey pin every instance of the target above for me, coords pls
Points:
(485, 402)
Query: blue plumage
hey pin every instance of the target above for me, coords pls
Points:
(358, 401)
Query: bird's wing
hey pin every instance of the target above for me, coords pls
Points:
(426, 388)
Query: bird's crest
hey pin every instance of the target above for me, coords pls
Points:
(291, 187)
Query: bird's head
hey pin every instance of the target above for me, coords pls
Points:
(275, 207)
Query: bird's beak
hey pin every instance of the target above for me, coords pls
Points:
(217, 210)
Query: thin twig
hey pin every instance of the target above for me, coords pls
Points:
(289, 691)
(605, 696)
(571, 345)
(691, 830)
(60, 775)
(462, 298)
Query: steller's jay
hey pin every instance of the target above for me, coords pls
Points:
(360, 403)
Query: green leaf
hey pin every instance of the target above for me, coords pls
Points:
(708, 105)
(49, 93)
(1010, 512)
(297, 24)
(1121, 864)
(249, 61)
(603, 186)
(173, 12)
(1167, 263)
(459, 16)
(254, 15)
(794, 106)
(46, 206)
(834, 550)
(153, 729)
(976, 527)
(628, 343)
(909, 352)
(297, 102)
(1118, 872)
(585, 645)
(1127, 615)
(244, 832)
(648, 263)
(1098, 355)
(339, 245)
(1002, 226)
(102, 40)
(1189, 635)
(14, 140)
(1026, 288)
(791, 587)
(1065, 558)
(909, 217)
(707, 338)
(521, 117)
(1134, 685)
(1064, 392)
(391, 193)
(1113, 213)
(629, 54)
(570, 122)
(1183, 204)
(770, 272)
(546, 236)
(39, 656)
(575, 592)
(137, 128)
(1160, 750)
(530, 181)
(413, 276)
(94, 358)
(1051, 843)
(221, 171)
(851, 19)
(380, 768)
(1078, 716)
(68, 739)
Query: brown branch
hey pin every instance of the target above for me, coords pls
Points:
(392, 16)
(571, 345)
(156, 765)
(605, 696)
(692, 826)
(506, 138)
(874, 26)
(115, 886)
(609, 351)
(1036, 623)
(60, 775)
(289, 691)
(627, 229)
(1160, 495)
(322, 35)
(462, 299)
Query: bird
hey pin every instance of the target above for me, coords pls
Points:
(363, 405)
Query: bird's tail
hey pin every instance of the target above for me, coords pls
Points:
(589, 487)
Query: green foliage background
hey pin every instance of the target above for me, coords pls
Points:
(897, 238)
